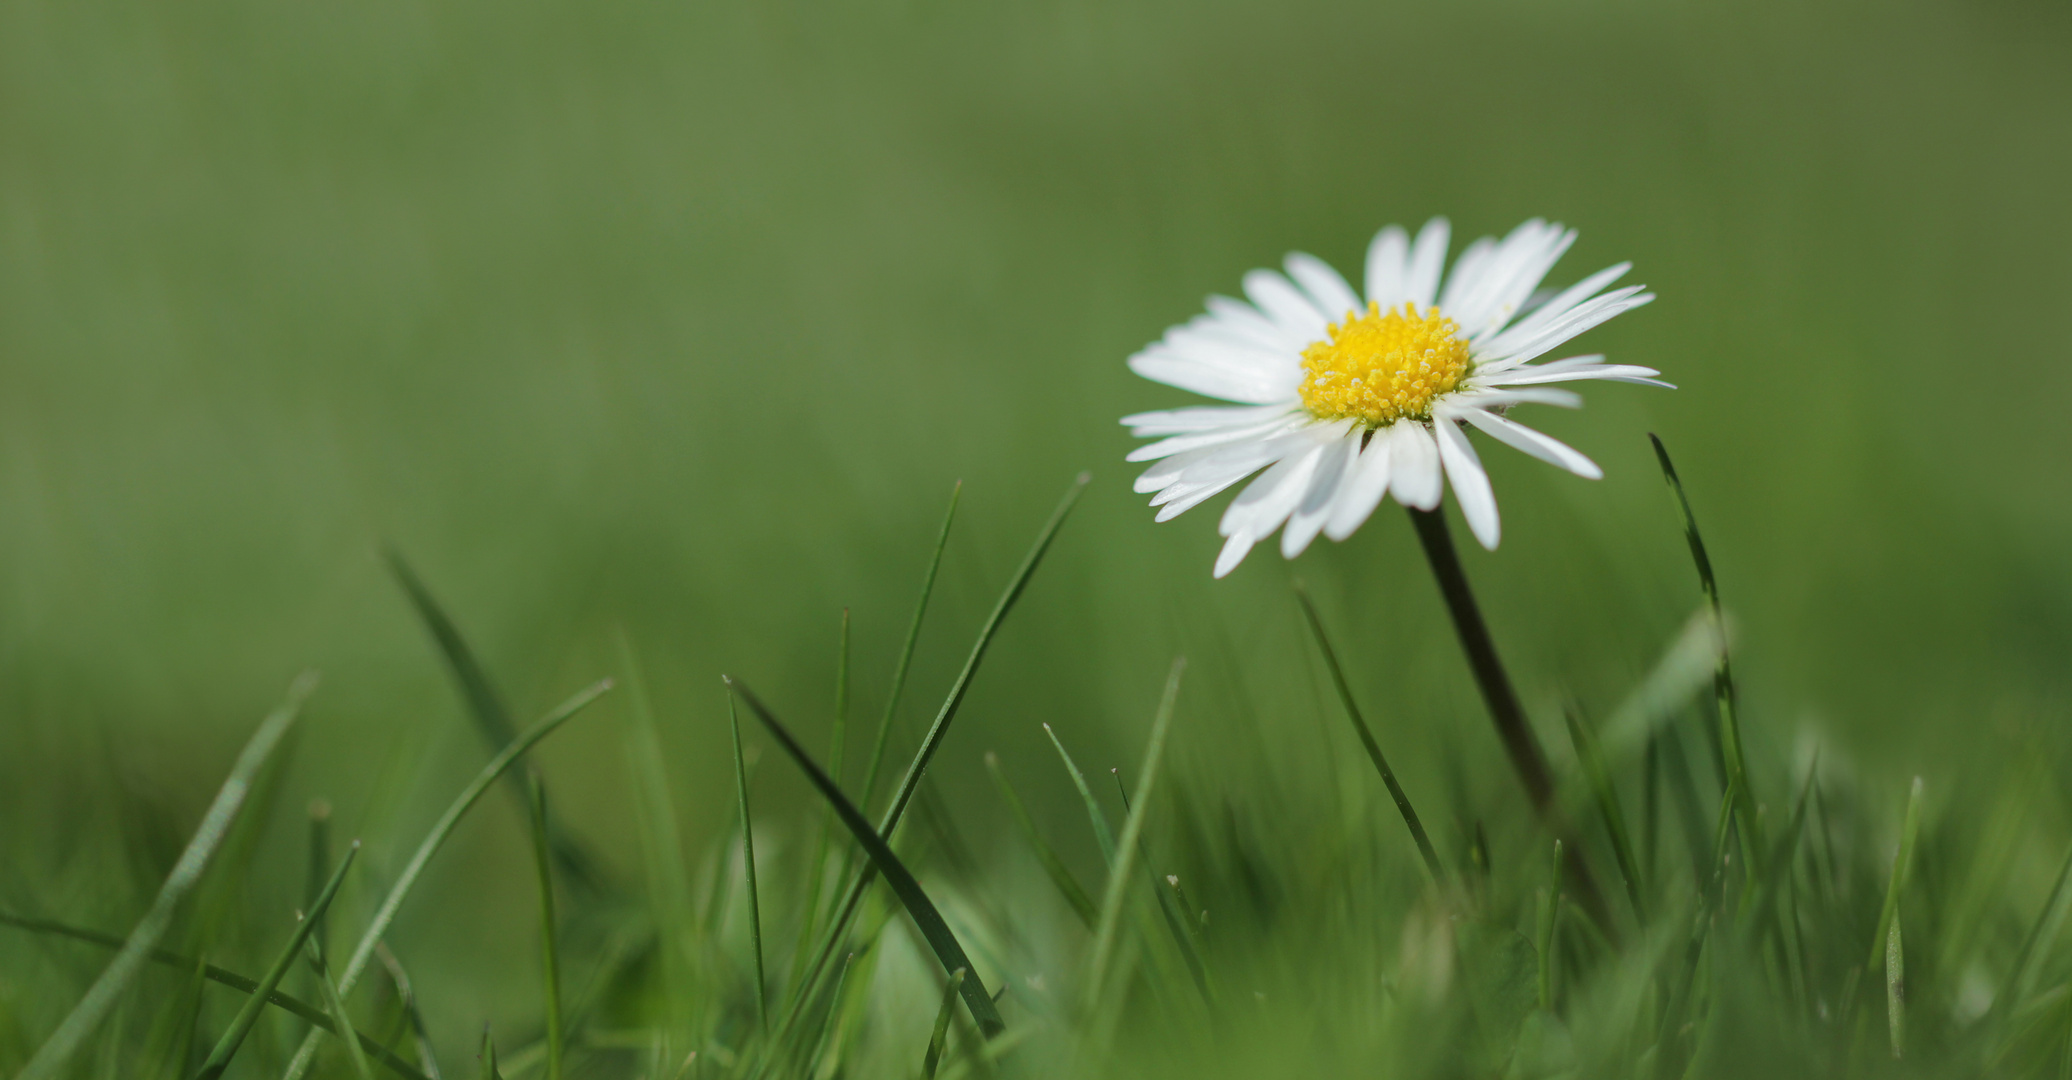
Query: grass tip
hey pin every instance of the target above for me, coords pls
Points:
(319, 810)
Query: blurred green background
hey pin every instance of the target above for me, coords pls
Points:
(682, 319)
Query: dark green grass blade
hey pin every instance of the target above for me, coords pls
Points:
(755, 908)
(406, 995)
(319, 866)
(661, 844)
(831, 936)
(497, 766)
(485, 704)
(1785, 851)
(2021, 976)
(1068, 886)
(1132, 834)
(1608, 807)
(906, 651)
(1723, 679)
(221, 976)
(488, 1058)
(816, 871)
(241, 1025)
(1902, 865)
(919, 907)
(550, 937)
(1430, 855)
(1896, 988)
(335, 1003)
(1549, 917)
(1170, 910)
(1104, 837)
(77, 1026)
(941, 1036)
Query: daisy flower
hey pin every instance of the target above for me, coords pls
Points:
(1343, 401)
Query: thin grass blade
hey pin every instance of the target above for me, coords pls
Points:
(336, 1003)
(2021, 976)
(755, 907)
(550, 937)
(668, 878)
(377, 928)
(1104, 837)
(1896, 988)
(56, 1051)
(816, 871)
(941, 1036)
(1433, 866)
(1132, 832)
(241, 1025)
(922, 910)
(1902, 866)
(1068, 886)
(406, 996)
(1614, 816)
(906, 651)
(488, 1058)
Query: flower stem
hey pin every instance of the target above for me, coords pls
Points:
(1520, 744)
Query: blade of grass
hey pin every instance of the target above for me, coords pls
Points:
(940, 1037)
(241, 1025)
(1902, 865)
(56, 1051)
(1433, 866)
(1896, 988)
(550, 939)
(441, 829)
(488, 1058)
(755, 908)
(1175, 918)
(406, 994)
(336, 1004)
(485, 704)
(1103, 836)
(319, 864)
(1068, 886)
(906, 651)
(2021, 975)
(831, 936)
(224, 977)
(816, 871)
(1723, 678)
(1132, 831)
(1608, 806)
(1549, 917)
(668, 879)
(922, 910)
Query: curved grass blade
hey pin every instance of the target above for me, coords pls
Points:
(1896, 988)
(816, 871)
(1068, 886)
(1103, 836)
(488, 1058)
(485, 704)
(1430, 855)
(215, 825)
(222, 976)
(240, 1026)
(336, 1003)
(1902, 864)
(2022, 976)
(831, 936)
(1608, 807)
(943, 1016)
(1132, 833)
(906, 650)
(406, 996)
(919, 907)
(441, 829)
(1750, 824)
(755, 907)
(661, 844)
(550, 943)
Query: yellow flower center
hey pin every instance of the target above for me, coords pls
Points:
(1383, 366)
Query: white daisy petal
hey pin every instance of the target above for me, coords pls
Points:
(1487, 397)
(1315, 508)
(1527, 255)
(1367, 480)
(1327, 290)
(1284, 304)
(1233, 553)
(1146, 425)
(1388, 272)
(1413, 464)
(1240, 319)
(1467, 273)
(1427, 260)
(1470, 482)
(1250, 387)
(1578, 319)
(1178, 444)
(1545, 447)
(1561, 304)
(1527, 376)
(1268, 500)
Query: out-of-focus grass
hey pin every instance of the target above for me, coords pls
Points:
(682, 320)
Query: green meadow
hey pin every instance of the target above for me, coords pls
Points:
(411, 410)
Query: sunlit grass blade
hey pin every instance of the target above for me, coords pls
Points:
(241, 1025)
(406, 996)
(377, 928)
(1068, 886)
(1723, 679)
(831, 934)
(1169, 909)
(1433, 866)
(755, 907)
(922, 910)
(661, 842)
(1896, 988)
(318, 867)
(1549, 903)
(1614, 816)
(1902, 866)
(550, 935)
(488, 1059)
(335, 1004)
(816, 871)
(1784, 850)
(1126, 846)
(56, 1051)
(484, 703)
(940, 1037)
(2021, 975)
(1104, 837)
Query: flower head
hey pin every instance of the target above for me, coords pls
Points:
(1343, 401)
